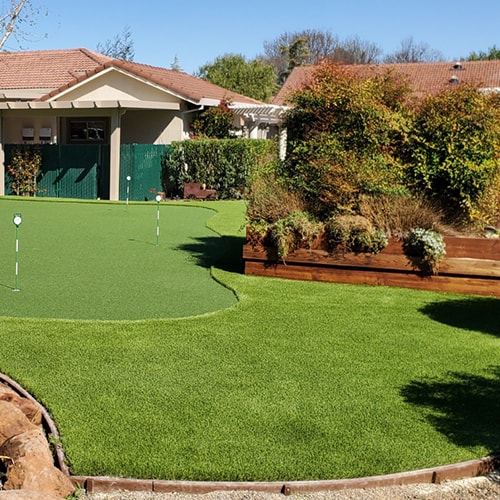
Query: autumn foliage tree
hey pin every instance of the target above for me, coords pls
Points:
(352, 136)
(343, 130)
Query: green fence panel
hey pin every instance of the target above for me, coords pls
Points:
(143, 164)
(47, 178)
(78, 171)
(69, 171)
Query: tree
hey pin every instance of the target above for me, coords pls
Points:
(343, 131)
(254, 78)
(23, 170)
(214, 122)
(493, 53)
(356, 51)
(19, 13)
(411, 51)
(320, 44)
(120, 47)
(453, 153)
(309, 47)
(175, 66)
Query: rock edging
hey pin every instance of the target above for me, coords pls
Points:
(24, 447)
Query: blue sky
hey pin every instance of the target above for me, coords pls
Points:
(196, 32)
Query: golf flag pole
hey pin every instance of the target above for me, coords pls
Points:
(158, 199)
(128, 188)
(17, 222)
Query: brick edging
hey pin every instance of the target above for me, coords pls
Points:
(461, 470)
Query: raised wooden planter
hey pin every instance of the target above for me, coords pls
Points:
(471, 266)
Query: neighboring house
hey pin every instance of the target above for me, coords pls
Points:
(423, 78)
(80, 97)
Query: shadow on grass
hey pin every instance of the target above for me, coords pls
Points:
(481, 314)
(463, 407)
(223, 252)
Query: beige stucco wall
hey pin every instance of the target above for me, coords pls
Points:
(13, 127)
(151, 127)
(117, 86)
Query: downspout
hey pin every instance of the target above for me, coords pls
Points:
(2, 159)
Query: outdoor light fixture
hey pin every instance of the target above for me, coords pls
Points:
(17, 220)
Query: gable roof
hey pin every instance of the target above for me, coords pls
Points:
(47, 73)
(423, 78)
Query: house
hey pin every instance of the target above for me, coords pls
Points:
(91, 104)
(424, 78)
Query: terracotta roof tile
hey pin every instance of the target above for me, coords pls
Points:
(46, 68)
(56, 70)
(423, 78)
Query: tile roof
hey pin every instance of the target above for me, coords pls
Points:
(57, 70)
(423, 78)
(45, 69)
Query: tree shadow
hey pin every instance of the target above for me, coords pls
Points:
(464, 407)
(480, 314)
(223, 252)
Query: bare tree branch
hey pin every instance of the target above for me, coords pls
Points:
(8, 21)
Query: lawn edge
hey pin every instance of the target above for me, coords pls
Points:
(99, 484)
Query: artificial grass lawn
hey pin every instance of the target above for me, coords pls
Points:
(298, 380)
(101, 261)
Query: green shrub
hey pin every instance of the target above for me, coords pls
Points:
(299, 229)
(427, 246)
(215, 122)
(354, 233)
(23, 170)
(226, 165)
(453, 151)
(343, 131)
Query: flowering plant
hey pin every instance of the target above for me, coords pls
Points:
(427, 246)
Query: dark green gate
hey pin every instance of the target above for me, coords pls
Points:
(82, 171)
(143, 164)
(68, 171)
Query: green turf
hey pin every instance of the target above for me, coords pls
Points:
(297, 380)
(102, 261)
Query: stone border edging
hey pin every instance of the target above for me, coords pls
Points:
(461, 470)
(47, 422)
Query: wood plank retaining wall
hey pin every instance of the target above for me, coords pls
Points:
(471, 266)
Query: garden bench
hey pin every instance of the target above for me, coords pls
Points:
(198, 191)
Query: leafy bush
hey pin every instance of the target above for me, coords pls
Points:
(299, 229)
(23, 169)
(427, 246)
(226, 165)
(358, 146)
(453, 152)
(215, 122)
(342, 132)
(354, 233)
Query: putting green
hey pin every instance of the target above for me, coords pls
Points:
(105, 261)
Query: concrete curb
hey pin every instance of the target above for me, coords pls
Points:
(461, 470)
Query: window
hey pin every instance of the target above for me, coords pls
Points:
(83, 130)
